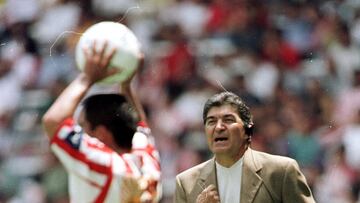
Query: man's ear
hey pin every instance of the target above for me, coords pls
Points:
(103, 134)
(249, 129)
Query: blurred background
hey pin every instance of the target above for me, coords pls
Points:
(296, 63)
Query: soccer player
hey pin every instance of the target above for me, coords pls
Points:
(108, 154)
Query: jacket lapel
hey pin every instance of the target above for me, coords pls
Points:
(251, 181)
(206, 178)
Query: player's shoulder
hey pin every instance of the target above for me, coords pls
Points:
(143, 127)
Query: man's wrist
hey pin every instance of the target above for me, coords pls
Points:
(85, 79)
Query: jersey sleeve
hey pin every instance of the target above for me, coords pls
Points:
(78, 152)
(144, 147)
(143, 138)
(68, 136)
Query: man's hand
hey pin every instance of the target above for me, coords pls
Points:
(130, 191)
(137, 190)
(97, 62)
(208, 195)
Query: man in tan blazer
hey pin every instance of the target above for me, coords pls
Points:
(237, 173)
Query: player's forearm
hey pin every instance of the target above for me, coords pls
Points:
(65, 105)
(132, 98)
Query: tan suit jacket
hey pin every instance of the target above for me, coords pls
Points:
(266, 179)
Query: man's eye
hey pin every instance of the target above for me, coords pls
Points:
(210, 122)
(229, 120)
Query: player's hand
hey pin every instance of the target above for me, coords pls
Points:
(130, 190)
(208, 195)
(137, 190)
(97, 62)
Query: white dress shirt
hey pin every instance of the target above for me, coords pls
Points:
(229, 181)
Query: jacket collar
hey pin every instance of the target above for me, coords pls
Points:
(207, 177)
(250, 180)
(208, 174)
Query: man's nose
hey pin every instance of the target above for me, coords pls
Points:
(219, 125)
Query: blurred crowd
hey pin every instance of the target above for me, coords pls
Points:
(296, 63)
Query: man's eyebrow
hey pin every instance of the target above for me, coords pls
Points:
(228, 115)
(223, 116)
(209, 117)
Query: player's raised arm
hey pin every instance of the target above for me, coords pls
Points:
(65, 105)
(131, 97)
(143, 145)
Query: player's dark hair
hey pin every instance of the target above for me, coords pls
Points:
(229, 98)
(115, 113)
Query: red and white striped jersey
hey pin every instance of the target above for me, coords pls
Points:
(96, 172)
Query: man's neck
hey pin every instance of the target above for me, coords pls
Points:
(122, 150)
(117, 149)
(227, 160)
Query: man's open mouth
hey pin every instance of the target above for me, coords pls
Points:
(220, 139)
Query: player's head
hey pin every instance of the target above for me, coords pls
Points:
(229, 98)
(113, 112)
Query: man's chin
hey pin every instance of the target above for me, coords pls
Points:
(220, 150)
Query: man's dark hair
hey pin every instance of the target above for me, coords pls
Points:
(229, 98)
(115, 113)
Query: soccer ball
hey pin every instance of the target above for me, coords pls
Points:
(117, 35)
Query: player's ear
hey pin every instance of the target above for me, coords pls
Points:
(102, 133)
